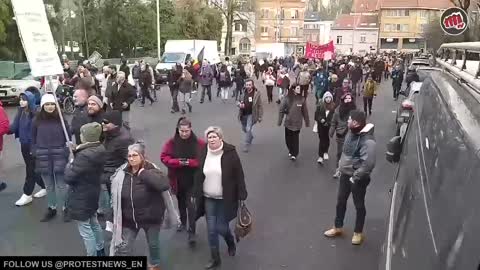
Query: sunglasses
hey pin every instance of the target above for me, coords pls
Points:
(105, 122)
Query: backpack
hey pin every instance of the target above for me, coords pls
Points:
(304, 78)
(223, 76)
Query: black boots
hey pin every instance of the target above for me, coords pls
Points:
(232, 248)
(51, 213)
(215, 261)
(101, 253)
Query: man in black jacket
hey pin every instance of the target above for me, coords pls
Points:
(120, 96)
(83, 177)
(95, 109)
(80, 117)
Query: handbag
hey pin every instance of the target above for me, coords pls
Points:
(244, 222)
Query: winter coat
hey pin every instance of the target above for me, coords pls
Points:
(321, 113)
(142, 201)
(116, 96)
(49, 146)
(296, 111)
(227, 82)
(257, 106)
(268, 78)
(173, 164)
(338, 125)
(83, 177)
(174, 78)
(206, 75)
(321, 83)
(116, 146)
(22, 124)
(136, 72)
(358, 155)
(397, 78)
(145, 79)
(249, 70)
(80, 118)
(304, 78)
(4, 125)
(370, 89)
(233, 182)
(185, 83)
(125, 68)
(356, 75)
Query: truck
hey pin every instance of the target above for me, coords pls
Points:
(182, 51)
(270, 50)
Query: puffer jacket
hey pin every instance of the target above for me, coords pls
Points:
(142, 201)
(116, 146)
(83, 177)
(206, 75)
(296, 111)
(358, 156)
(321, 83)
(22, 124)
(49, 146)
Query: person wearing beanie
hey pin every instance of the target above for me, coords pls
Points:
(180, 156)
(323, 117)
(138, 203)
(339, 124)
(116, 142)
(22, 128)
(83, 177)
(95, 109)
(356, 165)
(51, 154)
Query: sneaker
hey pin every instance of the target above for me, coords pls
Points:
(109, 226)
(357, 238)
(289, 155)
(337, 174)
(293, 158)
(320, 160)
(40, 194)
(24, 200)
(3, 186)
(325, 156)
(181, 228)
(333, 232)
(51, 213)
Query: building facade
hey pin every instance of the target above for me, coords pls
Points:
(355, 34)
(243, 33)
(280, 21)
(403, 22)
(315, 30)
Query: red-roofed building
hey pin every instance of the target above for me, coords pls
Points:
(355, 33)
(402, 22)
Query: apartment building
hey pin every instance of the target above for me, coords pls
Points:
(314, 29)
(355, 34)
(280, 21)
(403, 22)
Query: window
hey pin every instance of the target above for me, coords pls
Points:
(264, 13)
(363, 38)
(263, 29)
(294, 31)
(339, 39)
(388, 27)
(241, 25)
(404, 28)
(282, 14)
(238, 27)
(398, 13)
(423, 13)
(295, 14)
(306, 26)
(245, 45)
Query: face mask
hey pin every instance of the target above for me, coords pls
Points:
(23, 103)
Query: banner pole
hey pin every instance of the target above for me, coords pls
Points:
(50, 86)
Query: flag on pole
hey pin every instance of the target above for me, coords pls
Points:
(197, 63)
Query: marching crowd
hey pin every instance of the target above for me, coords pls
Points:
(106, 173)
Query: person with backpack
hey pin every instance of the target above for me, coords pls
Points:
(269, 80)
(22, 128)
(224, 82)
(294, 109)
(303, 80)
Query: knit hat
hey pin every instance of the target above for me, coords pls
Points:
(90, 132)
(96, 100)
(114, 117)
(47, 98)
(326, 95)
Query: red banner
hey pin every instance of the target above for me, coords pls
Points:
(324, 51)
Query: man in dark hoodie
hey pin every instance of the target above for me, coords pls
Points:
(356, 165)
(180, 155)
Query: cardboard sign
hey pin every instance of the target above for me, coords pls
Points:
(37, 37)
(454, 21)
(324, 51)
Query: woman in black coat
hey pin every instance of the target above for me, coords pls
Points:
(218, 188)
(83, 177)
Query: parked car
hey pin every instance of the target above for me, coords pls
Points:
(11, 88)
(420, 62)
(405, 110)
(434, 211)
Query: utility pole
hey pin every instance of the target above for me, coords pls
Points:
(158, 30)
(85, 29)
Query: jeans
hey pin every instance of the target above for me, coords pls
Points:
(247, 126)
(174, 93)
(367, 102)
(185, 99)
(269, 93)
(304, 90)
(153, 240)
(92, 235)
(292, 141)
(186, 208)
(323, 141)
(31, 178)
(104, 199)
(358, 190)
(340, 142)
(280, 93)
(137, 87)
(146, 94)
(396, 90)
(238, 92)
(216, 222)
(56, 189)
(208, 90)
(224, 92)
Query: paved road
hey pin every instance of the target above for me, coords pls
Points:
(292, 203)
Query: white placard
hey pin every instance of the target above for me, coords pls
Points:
(37, 37)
